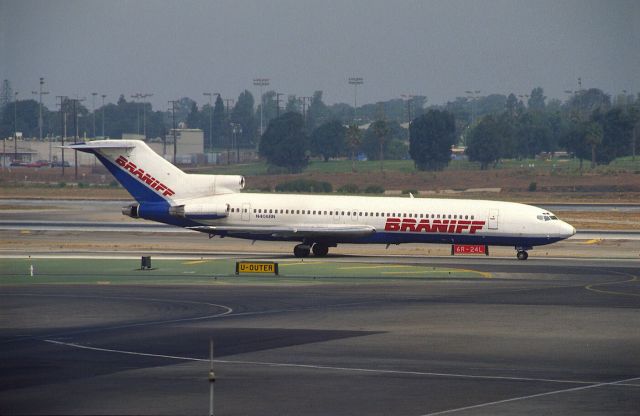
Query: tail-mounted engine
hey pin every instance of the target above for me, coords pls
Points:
(131, 210)
(200, 211)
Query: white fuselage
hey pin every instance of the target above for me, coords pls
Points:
(214, 204)
(395, 219)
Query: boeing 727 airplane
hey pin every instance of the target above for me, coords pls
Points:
(213, 204)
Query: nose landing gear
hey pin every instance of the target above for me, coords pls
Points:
(522, 252)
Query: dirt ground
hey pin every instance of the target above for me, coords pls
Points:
(502, 184)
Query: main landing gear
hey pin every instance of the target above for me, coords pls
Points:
(522, 252)
(303, 250)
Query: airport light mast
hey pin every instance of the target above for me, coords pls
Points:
(103, 97)
(41, 93)
(210, 95)
(355, 81)
(15, 126)
(261, 82)
(144, 112)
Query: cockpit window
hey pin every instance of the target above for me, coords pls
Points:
(540, 217)
(546, 218)
(553, 217)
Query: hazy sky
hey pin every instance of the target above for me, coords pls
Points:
(436, 48)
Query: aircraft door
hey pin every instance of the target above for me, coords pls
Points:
(246, 212)
(336, 216)
(354, 215)
(493, 219)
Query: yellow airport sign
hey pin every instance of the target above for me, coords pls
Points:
(256, 267)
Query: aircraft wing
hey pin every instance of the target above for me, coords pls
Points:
(285, 231)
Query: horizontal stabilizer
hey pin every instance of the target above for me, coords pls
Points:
(111, 144)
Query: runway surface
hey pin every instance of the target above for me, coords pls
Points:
(538, 337)
(149, 227)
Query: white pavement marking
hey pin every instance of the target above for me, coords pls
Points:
(324, 367)
(531, 396)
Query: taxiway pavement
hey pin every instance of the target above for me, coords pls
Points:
(542, 336)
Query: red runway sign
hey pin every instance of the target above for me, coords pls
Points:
(458, 249)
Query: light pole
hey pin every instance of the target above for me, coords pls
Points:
(210, 95)
(144, 113)
(76, 101)
(355, 81)
(41, 93)
(473, 95)
(63, 126)
(304, 108)
(408, 97)
(15, 126)
(103, 97)
(173, 116)
(261, 82)
(135, 97)
(278, 95)
(93, 104)
(236, 128)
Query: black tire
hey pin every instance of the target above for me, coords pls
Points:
(320, 250)
(301, 251)
(522, 255)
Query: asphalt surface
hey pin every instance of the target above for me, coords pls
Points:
(540, 337)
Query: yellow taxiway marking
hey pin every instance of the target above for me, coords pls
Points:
(612, 292)
(487, 275)
(593, 241)
(195, 262)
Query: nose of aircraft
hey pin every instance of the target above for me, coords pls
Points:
(566, 230)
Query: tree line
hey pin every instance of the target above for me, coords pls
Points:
(589, 125)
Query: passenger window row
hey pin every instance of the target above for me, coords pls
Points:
(354, 213)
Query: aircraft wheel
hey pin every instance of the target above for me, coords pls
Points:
(320, 250)
(523, 255)
(301, 250)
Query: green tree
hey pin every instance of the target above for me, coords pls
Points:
(317, 112)
(194, 118)
(585, 102)
(27, 118)
(532, 135)
(573, 140)
(536, 99)
(511, 105)
(219, 123)
(485, 141)
(430, 139)
(328, 140)
(353, 141)
(380, 131)
(616, 134)
(371, 139)
(243, 114)
(270, 110)
(285, 143)
(293, 105)
(593, 138)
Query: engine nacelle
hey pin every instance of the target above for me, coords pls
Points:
(233, 183)
(131, 211)
(200, 211)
